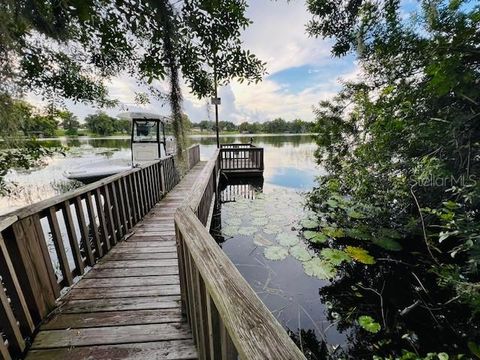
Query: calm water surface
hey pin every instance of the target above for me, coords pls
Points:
(283, 153)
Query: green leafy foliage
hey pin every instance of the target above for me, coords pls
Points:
(319, 268)
(287, 239)
(335, 256)
(315, 237)
(402, 144)
(360, 255)
(369, 324)
(300, 253)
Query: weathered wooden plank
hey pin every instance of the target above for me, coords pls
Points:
(145, 243)
(122, 292)
(142, 256)
(139, 250)
(72, 237)
(151, 237)
(120, 304)
(168, 350)
(10, 280)
(110, 335)
(122, 205)
(113, 318)
(93, 225)
(107, 208)
(116, 211)
(103, 221)
(9, 325)
(253, 329)
(59, 246)
(128, 281)
(136, 264)
(4, 351)
(84, 231)
(134, 272)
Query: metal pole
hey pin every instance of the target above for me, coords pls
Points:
(216, 102)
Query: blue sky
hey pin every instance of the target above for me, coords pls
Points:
(301, 72)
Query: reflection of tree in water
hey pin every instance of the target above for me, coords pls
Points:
(307, 341)
(414, 313)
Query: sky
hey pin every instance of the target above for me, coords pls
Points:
(301, 73)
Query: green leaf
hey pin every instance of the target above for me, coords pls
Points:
(235, 221)
(309, 223)
(300, 253)
(443, 356)
(275, 253)
(334, 256)
(272, 229)
(315, 237)
(360, 255)
(247, 230)
(230, 230)
(286, 239)
(319, 268)
(388, 244)
(333, 232)
(474, 348)
(259, 240)
(369, 324)
(261, 221)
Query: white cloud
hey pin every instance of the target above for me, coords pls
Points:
(276, 36)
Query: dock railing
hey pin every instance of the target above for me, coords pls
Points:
(44, 246)
(241, 157)
(228, 319)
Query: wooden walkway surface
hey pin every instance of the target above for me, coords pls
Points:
(128, 305)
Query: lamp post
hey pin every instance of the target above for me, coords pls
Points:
(216, 101)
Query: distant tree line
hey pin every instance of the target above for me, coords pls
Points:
(275, 126)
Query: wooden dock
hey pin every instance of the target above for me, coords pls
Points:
(125, 268)
(128, 305)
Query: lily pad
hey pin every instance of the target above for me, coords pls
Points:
(360, 255)
(319, 268)
(275, 253)
(247, 230)
(309, 223)
(277, 217)
(259, 240)
(333, 232)
(369, 324)
(261, 221)
(258, 214)
(272, 229)
(236, 221)
(358, 233)
(300, 253)
(230, 230)
(315, 237)
(334, 256)
(286, 239)
(354, 214)
(388, 244)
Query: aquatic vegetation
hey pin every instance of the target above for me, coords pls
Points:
(319, 268)
(272, 229)
(387, 244)
(275, 253)
(259, 240)
(315, 237)
(309, 223)
(230, 230)
(359, 254)
(300, 253)
(333, 232)
(247, 230)
(334, 256)
(261, 221)
(235, 221)
(286, 239)
(369, 324)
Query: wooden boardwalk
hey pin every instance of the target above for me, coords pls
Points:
(128, 305)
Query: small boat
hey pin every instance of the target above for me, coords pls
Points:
(148, 143)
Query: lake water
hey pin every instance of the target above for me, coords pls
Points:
(282, 155)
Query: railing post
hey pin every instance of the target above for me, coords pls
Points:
(33, 266)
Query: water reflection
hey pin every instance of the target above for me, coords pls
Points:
(282, 153)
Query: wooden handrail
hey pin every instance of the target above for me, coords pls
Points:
(83, 224)
(228, 319)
